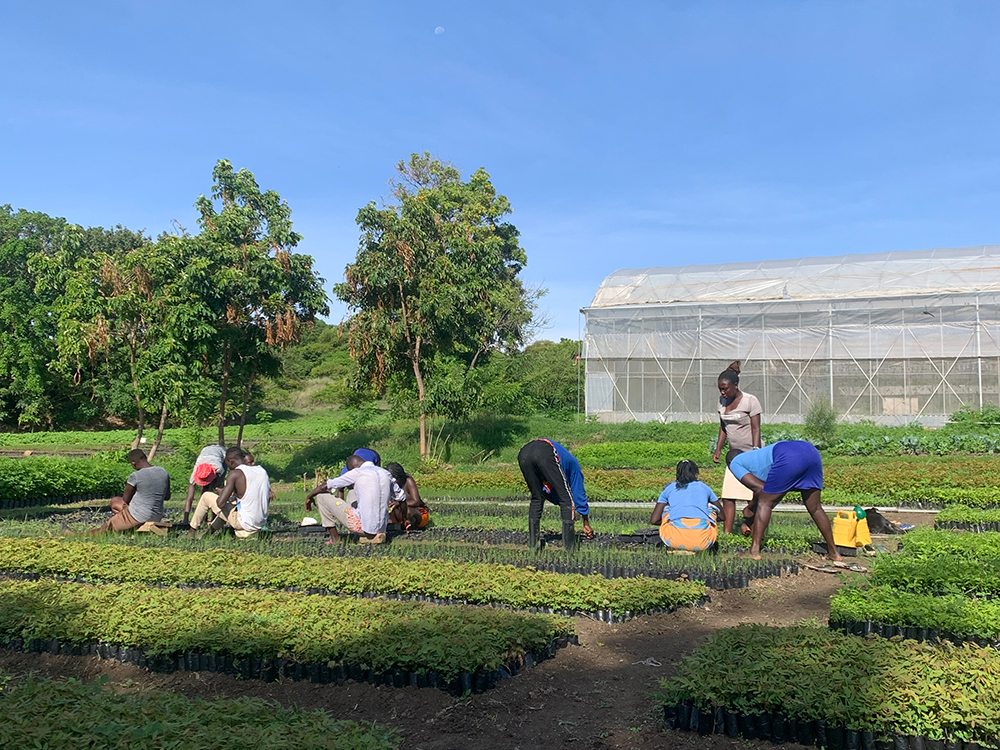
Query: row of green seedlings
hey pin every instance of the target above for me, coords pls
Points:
(781, 541)
(790, 534)
(942, 586)
(715, 571)
(269, 635)
(69, 713)
(436, 581)
(964, 518)
(817, 687)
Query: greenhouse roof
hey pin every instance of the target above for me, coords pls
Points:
(875, 275)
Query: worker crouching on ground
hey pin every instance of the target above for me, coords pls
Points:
(207, 476)
(146, 490)
(412, 512)
(687, 511)
(243, 502)
(365, 510)
(775, 470)
(552, 473)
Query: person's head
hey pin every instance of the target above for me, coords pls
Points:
(397, 471)
(234, 457)
(687, 472)
(729, 380)
(248, 458)
(353, 462)
(137, 458)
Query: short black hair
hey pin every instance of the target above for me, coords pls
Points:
(135, 455)
(687, 472)
(235, 453)
(354, 462)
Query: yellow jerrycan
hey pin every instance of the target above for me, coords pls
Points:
(864, 536)
(845, 529)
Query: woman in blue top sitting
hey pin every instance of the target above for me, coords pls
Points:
(689, 522)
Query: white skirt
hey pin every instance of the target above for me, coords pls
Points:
(733, 489)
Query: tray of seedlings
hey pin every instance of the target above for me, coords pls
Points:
(964, 518)
(69, 713)
(269, 635)
(817, 687)
(437, 581)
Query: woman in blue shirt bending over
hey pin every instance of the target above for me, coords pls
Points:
(691, 509)
(775, 470)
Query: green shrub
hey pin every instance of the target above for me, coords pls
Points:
(821, 424)
(31, 478)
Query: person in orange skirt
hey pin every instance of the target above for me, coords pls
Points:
(412, 512)
(686, 511)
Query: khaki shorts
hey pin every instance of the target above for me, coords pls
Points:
(122, 522)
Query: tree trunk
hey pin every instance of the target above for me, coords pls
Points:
(142, 426)
(420, 399)
(246, 403)
(227, 362)
(159, 432)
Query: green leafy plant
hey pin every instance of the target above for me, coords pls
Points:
(810, 673)
(70, 713)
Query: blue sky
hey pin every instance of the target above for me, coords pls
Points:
(624, 134)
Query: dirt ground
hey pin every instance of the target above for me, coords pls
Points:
(596, 695)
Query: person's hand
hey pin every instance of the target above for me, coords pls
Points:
(715, 456)
(309, 503)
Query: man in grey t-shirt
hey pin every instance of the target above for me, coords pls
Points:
(146, 490)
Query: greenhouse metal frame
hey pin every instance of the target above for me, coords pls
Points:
(889, 337)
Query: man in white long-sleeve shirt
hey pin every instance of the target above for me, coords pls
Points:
(365, 512)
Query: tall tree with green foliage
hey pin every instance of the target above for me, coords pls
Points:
(262, 291)
(30, 394)
(435, 281)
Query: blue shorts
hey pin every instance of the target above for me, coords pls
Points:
(797, 466)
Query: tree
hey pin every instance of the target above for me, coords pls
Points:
(29, 392)
(435, 282)
(262, 292)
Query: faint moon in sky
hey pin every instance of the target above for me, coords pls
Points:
(439, 30)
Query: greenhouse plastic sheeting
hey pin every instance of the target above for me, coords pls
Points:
(891, 337)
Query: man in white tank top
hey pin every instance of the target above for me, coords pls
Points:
(243, 502)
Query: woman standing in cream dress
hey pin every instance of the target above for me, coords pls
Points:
(739, 425)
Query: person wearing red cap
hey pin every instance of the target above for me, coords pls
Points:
(208, 474)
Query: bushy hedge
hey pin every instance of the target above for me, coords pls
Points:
(72, 714)
(807, 673)
(34, 478)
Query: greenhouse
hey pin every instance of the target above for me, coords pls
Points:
(890, 337)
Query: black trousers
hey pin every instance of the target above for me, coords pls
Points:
(540, 466)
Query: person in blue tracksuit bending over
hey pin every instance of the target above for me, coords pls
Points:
(552, 473)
